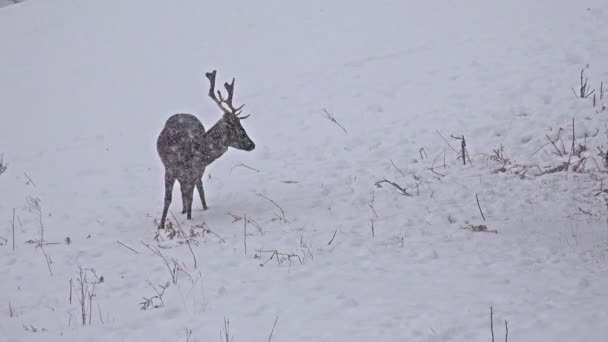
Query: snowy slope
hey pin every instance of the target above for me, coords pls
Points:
(86, 87)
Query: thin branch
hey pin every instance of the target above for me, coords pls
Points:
(444, 139)
(401, 190)
(245, 232)
(332, 238)
(157, 252)
(398, 169)
(479, 206)
(331, 118)
(273, 326)
(186, 238)
(245, 166)
(30, 179)
(276, 205)
(13, 224)
(492, 323)
(122, 244)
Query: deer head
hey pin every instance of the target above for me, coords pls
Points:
(232, 132)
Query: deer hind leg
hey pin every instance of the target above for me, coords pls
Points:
(169, 182)
(201, 192)
(184, 197)
(187, 193)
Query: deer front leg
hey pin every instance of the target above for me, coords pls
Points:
(201, 192)
(169, 182)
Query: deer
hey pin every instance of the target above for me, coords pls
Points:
(186, 149)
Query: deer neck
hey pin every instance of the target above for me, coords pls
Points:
(213, 144)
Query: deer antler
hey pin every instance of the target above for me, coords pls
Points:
(228, 101)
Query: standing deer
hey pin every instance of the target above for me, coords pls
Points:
(186, 149)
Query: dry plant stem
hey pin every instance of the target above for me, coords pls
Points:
(479, 206)
(594, 101)
(277, 254)
(205, 226)
(71, 287)
(445, 140)
(245, 166)
(401, 190)
(83, 310)
(423, 154)
(157, 252)
(552, 142)
(13, 224)
(492, 323)
(272, 331)
(245, 232)
(185, 237)
(371, 205)
(332, 238)
(398, 169)
(276, 205)
(432, 169)
(540, 148)
(573, 144)
(47, 259)
(29, 179)
(100, 316)
(373, 229)
(129, 248)
(331, 118)
(226, 334)
(506, 331)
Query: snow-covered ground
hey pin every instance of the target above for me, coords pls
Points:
(86, 86)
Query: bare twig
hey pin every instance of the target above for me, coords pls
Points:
(332, 238)
(479, 206)
(225, 336)
(423, 154)
(331, 118)
(245, 166)
(30, 179)
(282, 217)
(371, 204)
(185, 237)
(154, 301)
(584, 93)
(100, 316)
(174, 272)
(506, 331)
(206, 229)
(373, 228)
(445, 140)
(464, 154)
(13, 224)
(245, 232)
(398, 169)
(401, 190)
(492, 322)
(280, 257)
(122, 244)
(47, 259)
(273, 326)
